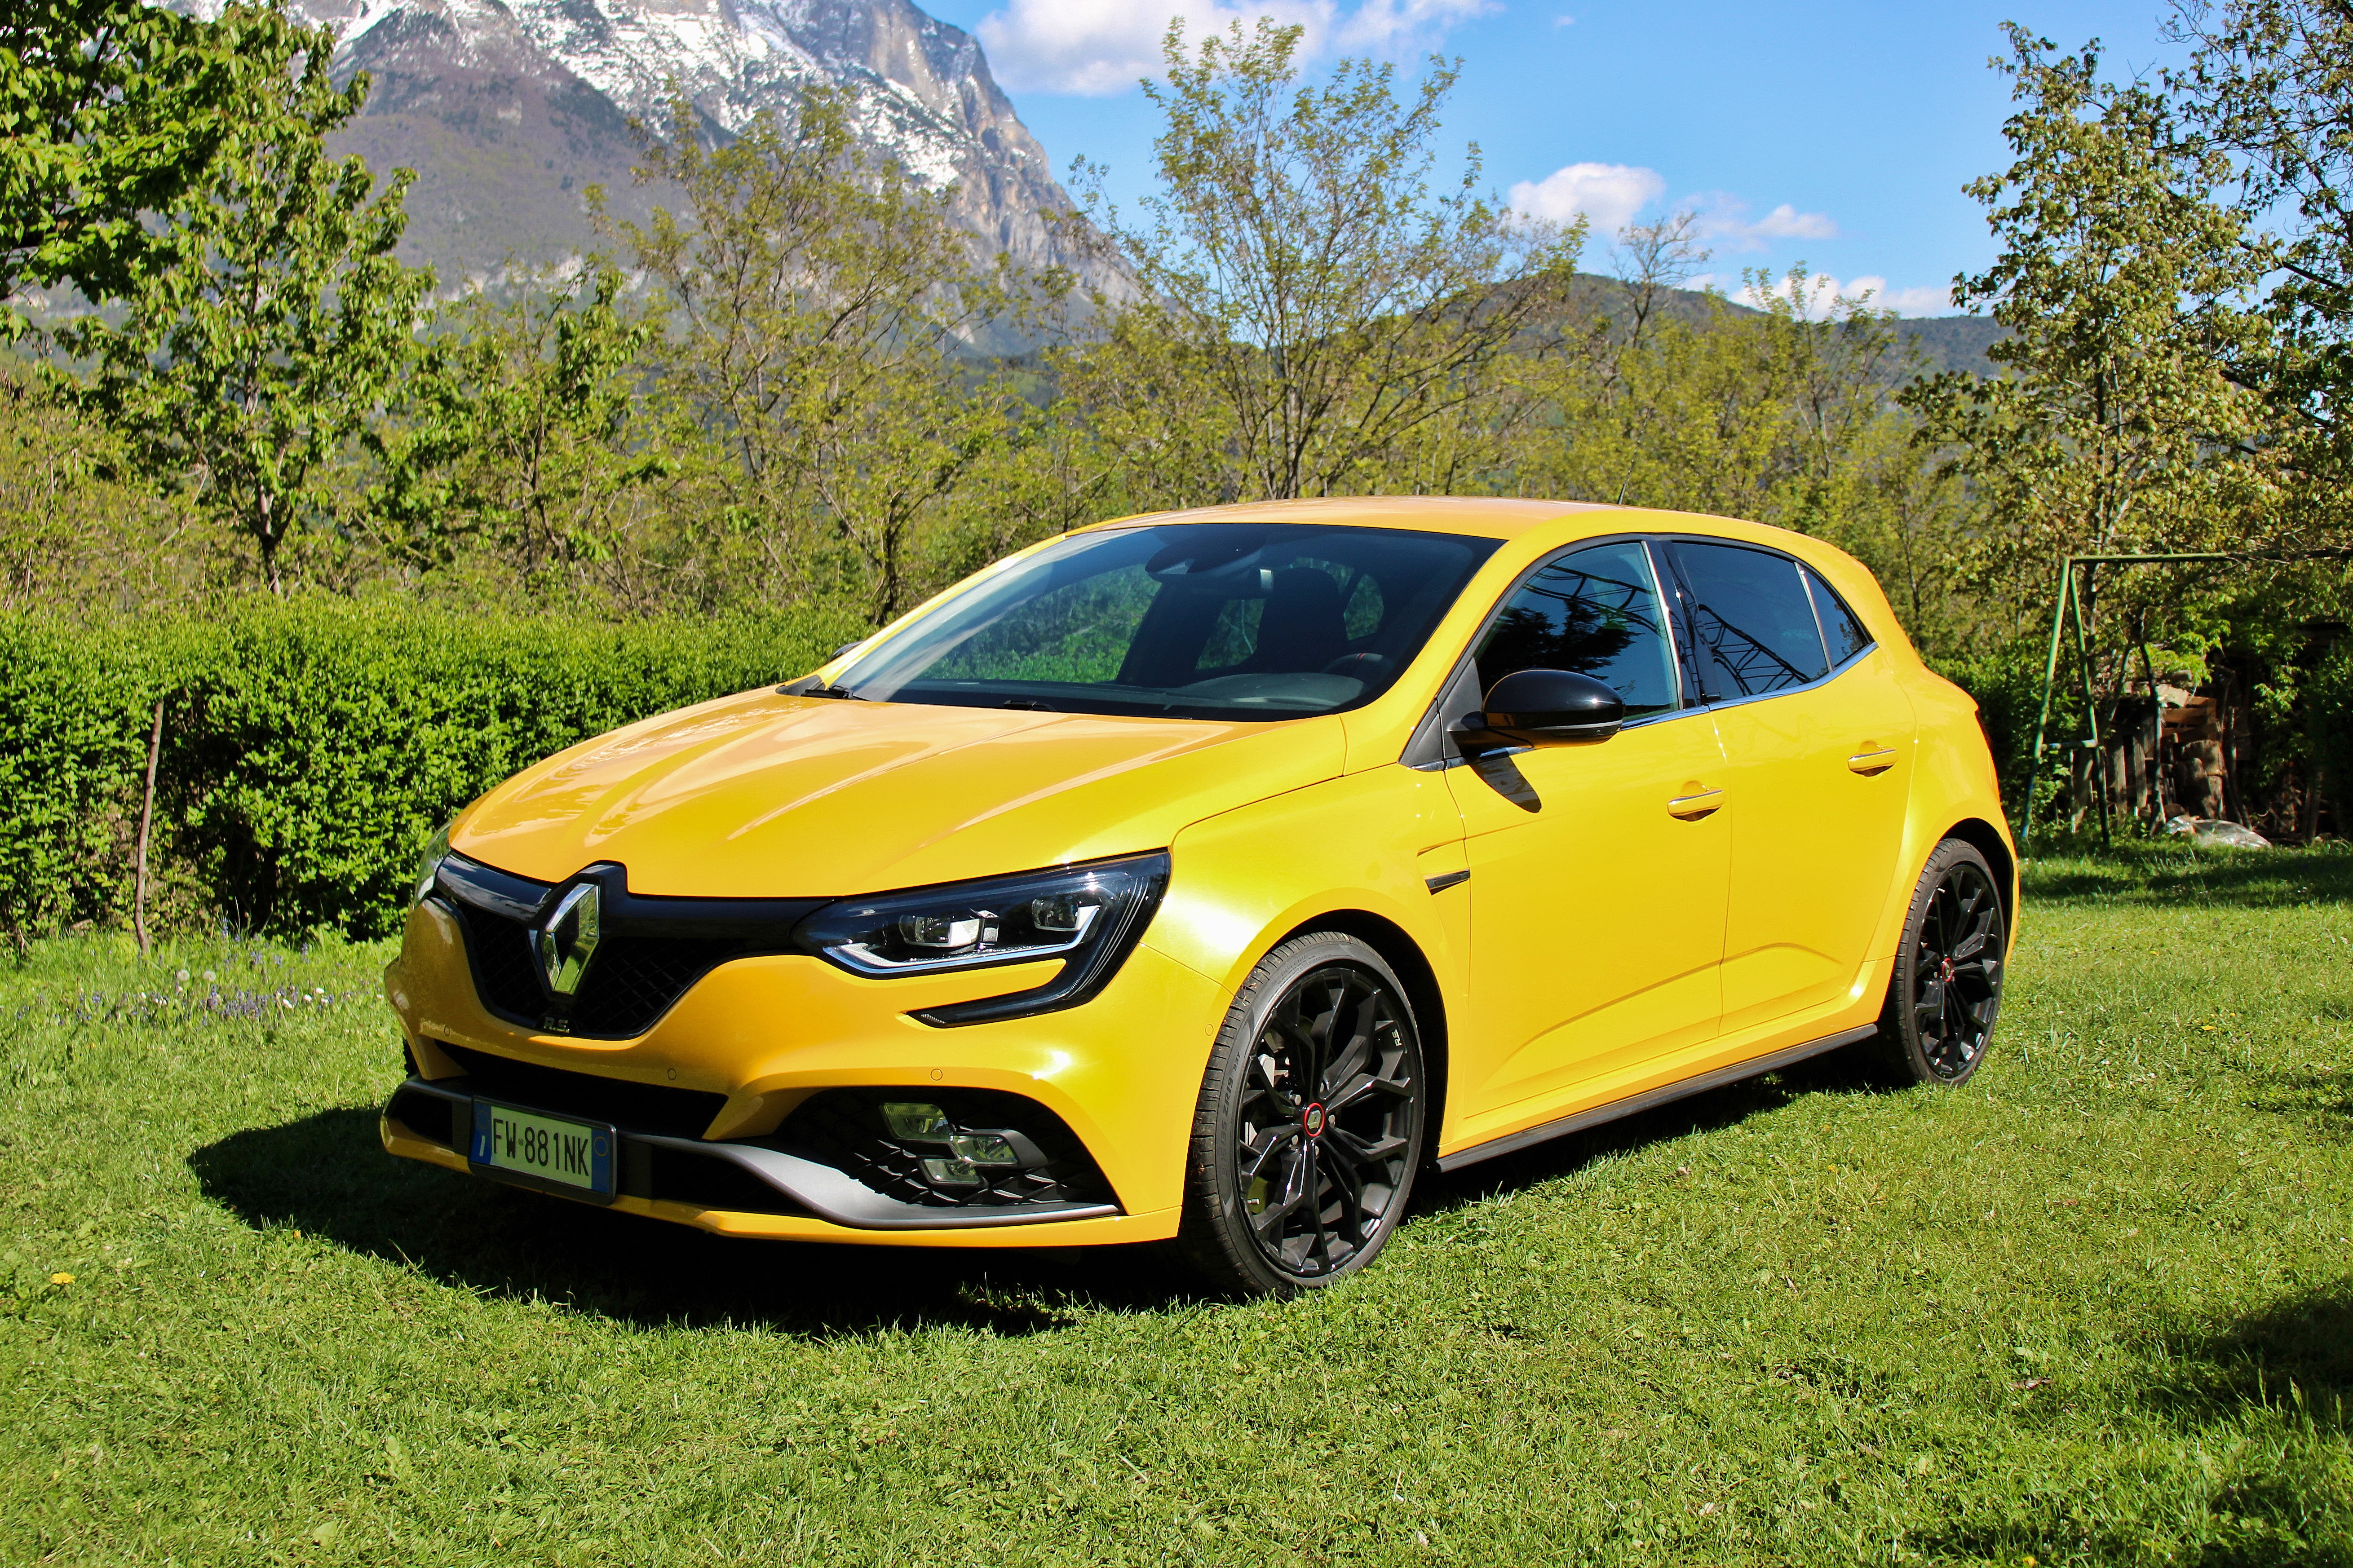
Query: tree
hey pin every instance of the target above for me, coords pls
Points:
(268, 319)
(109, 109)
(524, 435)
(70, 534)
(2116, 427)
(816, 302)
(1309, 317)
(2270, 88)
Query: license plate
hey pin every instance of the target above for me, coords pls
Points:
(552, 1149)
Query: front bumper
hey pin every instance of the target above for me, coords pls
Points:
(658, 1166)
(757, 1039)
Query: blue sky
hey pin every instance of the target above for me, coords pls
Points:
(1838, 133)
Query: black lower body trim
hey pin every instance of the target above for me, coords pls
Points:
(1664, 1094)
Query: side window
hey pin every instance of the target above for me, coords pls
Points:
(1841, 628)
(1752, 624)
(1595, 612)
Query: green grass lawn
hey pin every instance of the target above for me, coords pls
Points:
(2096, 1307)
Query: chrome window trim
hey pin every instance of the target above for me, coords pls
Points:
(1834, 672)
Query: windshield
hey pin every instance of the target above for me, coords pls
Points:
(1187, 620)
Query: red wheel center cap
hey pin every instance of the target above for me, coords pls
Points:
(1948, 967)
(1311, 1119)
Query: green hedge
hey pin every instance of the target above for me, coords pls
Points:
(310, 748)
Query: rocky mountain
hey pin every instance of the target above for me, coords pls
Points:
(507, 108)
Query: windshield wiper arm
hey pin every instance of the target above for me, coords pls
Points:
(839, 693)
(1030, 703)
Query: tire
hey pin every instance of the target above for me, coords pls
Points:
(1305, 1142)
(1946, 992)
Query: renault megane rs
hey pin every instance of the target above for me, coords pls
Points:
(1204, 876)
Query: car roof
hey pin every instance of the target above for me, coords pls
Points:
(1487, 517)
(1493, 517)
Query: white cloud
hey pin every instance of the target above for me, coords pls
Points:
(1094, 48)
(1822, 290)
(1609, 193)
(1724, 221)
(1786, 222)
(1389, 26)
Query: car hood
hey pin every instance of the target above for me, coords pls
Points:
(764, 796)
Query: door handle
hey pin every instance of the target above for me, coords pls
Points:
(1872, 764)
(1692, 807)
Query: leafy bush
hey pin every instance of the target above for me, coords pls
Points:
(310, 748)
(2008, 686)
(2328, 715)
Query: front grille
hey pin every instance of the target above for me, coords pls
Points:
(844, 1128)
(651, 950)
(632, 983)
(631, 1106)
(503, 976)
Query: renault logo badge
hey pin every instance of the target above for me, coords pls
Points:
(566, 940)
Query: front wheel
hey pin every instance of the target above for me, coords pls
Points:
(1310, 1123)
(1946, 990)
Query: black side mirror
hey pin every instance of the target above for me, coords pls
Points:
(1531, 707)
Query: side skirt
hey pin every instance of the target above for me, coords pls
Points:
(1664, 1094)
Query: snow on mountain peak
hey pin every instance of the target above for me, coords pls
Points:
(508, 110)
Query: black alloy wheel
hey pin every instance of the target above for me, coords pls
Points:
(1310, 1124)
(1946, 990)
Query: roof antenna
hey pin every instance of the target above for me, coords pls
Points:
(1621, 492)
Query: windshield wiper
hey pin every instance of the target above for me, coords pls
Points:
(1030, 703)
(838, 693)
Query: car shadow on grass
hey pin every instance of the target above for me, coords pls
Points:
(1833, 1072)
(326, 1175)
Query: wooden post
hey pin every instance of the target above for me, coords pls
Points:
(2233, 807)
(146, 816)
(2091, 712)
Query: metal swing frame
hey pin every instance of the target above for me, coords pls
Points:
(2075, 583)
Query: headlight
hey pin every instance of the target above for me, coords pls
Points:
(1088, 916)
(436, 849)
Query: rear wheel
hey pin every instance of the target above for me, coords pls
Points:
(1946, 990)
(1310, 1123)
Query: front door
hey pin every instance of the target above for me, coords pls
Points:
(1818, 738)
(1598, 869)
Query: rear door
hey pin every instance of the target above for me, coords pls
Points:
(1598, 869)
(1818, 740)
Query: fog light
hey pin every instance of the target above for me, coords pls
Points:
(952, 1173)
(920, 1122)
(984, 1149)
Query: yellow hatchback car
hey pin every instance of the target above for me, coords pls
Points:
(1205, 876)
